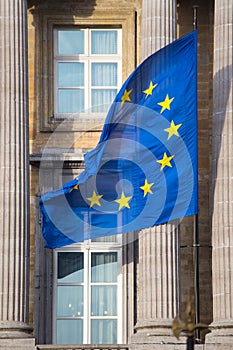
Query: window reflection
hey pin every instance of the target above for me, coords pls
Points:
(104, 331)
(70, 267)
(104, 267)
(70, 42)
(70, 301)
(104, 300)
(69, 331)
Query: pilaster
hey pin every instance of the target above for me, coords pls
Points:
(15, 333)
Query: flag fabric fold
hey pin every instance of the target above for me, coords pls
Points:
(143, 171)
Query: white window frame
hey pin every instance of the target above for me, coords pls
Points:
(87, 248)
(87, 58)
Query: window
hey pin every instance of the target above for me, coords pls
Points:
(87, 70)
(88, 293)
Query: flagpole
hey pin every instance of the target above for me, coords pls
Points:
(196, 244)
(195, 7)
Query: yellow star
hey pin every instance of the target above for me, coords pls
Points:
(74, 188)
(126, 97)
(123, 201)
(150, 89)
(165, 161)
(147, 187)
(166, 103)
(172, 130)
(94, 199)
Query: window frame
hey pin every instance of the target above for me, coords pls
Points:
(87, 248)
(87, 58)
(126, 19)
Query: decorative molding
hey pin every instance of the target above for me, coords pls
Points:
(44, 22)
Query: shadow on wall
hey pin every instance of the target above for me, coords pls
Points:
(64, 5)
(222, 85)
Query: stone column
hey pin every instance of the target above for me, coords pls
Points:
(158, 25)
(14, 180)
(222, 161)
(158, 247)
(158, 285)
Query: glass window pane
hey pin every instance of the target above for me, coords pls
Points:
(70, 301)
(70, 74)
(70, 267)
(104, 267)
(104, 300)
(104, 74)
(110, 239)
(70, 42)
(101, 99)
(70, 100)
(104, 42)
(69, 331)
(103, 331)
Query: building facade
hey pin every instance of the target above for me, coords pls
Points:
(62, 63)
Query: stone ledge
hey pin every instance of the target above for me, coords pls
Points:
(17, 344)
(164, 347)
(82, 347)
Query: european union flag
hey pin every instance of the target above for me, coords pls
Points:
(143, 171)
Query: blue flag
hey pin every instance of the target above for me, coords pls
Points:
(143, 172)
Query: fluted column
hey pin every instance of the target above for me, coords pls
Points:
(158, 246)
(158, 25)
(14, 180)
(222, 226)
(158, 284)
